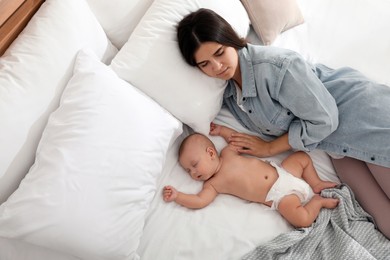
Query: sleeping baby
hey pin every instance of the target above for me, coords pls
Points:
(292, 188)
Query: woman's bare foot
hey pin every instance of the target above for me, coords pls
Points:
(323, 185)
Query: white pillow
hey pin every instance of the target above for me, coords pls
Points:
(269, 18)
(33, 73)
(151, 61)
(95, 170)
(119, 17)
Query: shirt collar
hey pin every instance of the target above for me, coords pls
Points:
(248, 79)
(247, 74)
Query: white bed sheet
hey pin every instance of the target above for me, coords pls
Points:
(13, 249)
(226, 229)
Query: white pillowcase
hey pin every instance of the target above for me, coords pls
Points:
(95, 170)
(151, 61)
(269, 18)
(119, 17)
(33, 73)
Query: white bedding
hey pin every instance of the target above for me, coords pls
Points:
(334, 33)
(226, 229)
(231, 227)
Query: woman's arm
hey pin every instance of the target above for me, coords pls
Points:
(316, 111)
(250, 144)
(298, 89)
(255, 146)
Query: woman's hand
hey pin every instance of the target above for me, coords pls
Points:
(255, 146)
(250, 144)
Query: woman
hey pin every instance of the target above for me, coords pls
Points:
(295, 105)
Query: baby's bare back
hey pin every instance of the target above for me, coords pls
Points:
(245, 177)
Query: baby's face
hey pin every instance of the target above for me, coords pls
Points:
(198, 163)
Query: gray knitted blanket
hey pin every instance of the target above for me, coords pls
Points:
(346, 232)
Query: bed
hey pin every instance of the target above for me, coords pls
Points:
(95, 100)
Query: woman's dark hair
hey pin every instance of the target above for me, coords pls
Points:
(204, 25)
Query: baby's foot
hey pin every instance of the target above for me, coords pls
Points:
(330, 203)
(323, 185)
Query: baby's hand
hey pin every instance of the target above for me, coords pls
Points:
(215, 129)
(169, 193)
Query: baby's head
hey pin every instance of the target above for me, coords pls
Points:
(199, 157)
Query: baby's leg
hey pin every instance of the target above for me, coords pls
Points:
(300, 165)
(291, 209)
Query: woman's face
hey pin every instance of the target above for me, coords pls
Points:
(217, 60)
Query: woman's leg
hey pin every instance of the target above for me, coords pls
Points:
(382, 177)
(368, 192)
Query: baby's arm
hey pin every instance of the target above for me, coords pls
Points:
(220, 130)
(291, 209)
(200, 200)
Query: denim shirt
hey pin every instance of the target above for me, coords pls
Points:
(339, 111)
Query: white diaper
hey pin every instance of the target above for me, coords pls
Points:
(288, 184)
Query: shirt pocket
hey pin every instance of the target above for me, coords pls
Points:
(282, 120)
(265, 124)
